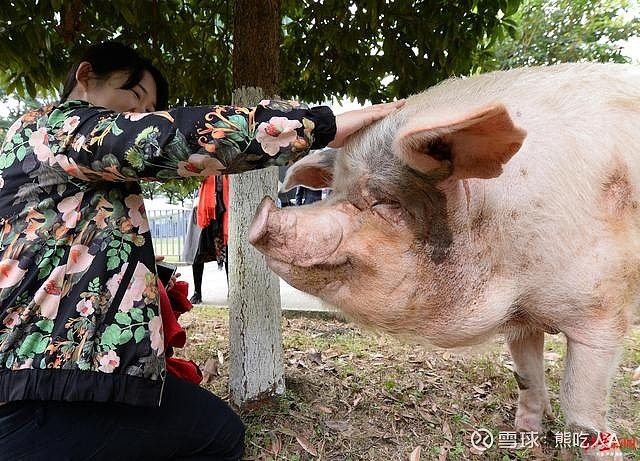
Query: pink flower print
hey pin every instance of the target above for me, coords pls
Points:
(39, 141)
(27, 364)
(10, 273)
(69, 208)
(109, 362)
(114, 282)
(11, 320)
(278, 132)
(137, 214)
(79, 259)
(13, 129)
(200, 165)
(135, 116)
(134, 290)
(85, 307)
(48, 295)
(70, 166)
(78, 143)
(70, 124)
(156, 334)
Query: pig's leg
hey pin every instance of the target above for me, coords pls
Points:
(589, 368)
(533, 402)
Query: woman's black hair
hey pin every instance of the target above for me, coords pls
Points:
(108, 57)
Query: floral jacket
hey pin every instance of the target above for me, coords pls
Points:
(79, 309)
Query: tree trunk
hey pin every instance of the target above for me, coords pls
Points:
(256, 363)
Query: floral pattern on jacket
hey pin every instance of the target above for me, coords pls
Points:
(78, 288)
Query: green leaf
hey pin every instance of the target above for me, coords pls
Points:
(111, 336)
(136, 314)
(57, 118)
(113, 262)
(115, 129)
(139, 333)
(150, 313)
(125, 337)
(114, 243)
(123, 319)
(45, 325)
(94, 285)
(21, 153)
(32, 344)
(10, 360)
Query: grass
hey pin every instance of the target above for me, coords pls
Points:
(357, 395)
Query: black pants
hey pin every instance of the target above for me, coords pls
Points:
(191, 424)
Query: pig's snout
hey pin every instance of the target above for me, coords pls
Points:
(301, 237)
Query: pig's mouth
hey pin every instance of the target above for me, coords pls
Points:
(319, 280)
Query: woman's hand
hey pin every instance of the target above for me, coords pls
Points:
(348, 123)
(174, 277)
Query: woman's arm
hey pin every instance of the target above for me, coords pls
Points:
(96, 144)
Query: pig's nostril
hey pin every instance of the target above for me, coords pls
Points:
(258, 227)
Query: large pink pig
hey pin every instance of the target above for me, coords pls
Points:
(502, 203)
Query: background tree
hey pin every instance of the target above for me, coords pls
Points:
(553, 31)
(329, 48)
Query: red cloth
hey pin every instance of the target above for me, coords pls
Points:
(172, 305)
(207, 202)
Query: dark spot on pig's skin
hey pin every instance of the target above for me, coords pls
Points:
(439, 150)
(522, 383)
(618, 192)
(439, 234)
(523, 172)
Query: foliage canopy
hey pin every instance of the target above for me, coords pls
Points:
(329, 48)
(553, 31)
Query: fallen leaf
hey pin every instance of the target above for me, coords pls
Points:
(415, 454)
(220, 357)
(442, 456)
(276, 445)
(635, 379)
(304, 443)
(446, 430)
(315, 357)
(323, 409)
(287, 431)
(340, 426)
(209, 371)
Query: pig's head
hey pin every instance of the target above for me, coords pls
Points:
(386, 246)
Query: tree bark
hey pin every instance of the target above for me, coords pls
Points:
(256, 363)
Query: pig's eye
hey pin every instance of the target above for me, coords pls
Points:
(392, 212)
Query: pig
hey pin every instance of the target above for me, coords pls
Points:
(503, 203)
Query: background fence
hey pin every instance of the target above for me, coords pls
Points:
(169, 231)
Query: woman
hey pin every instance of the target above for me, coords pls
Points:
(82, 370)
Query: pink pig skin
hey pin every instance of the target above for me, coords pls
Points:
(502, 203)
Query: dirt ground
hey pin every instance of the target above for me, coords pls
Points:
(357, 395)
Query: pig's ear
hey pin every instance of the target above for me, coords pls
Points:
(314, 171)
(476, 145)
